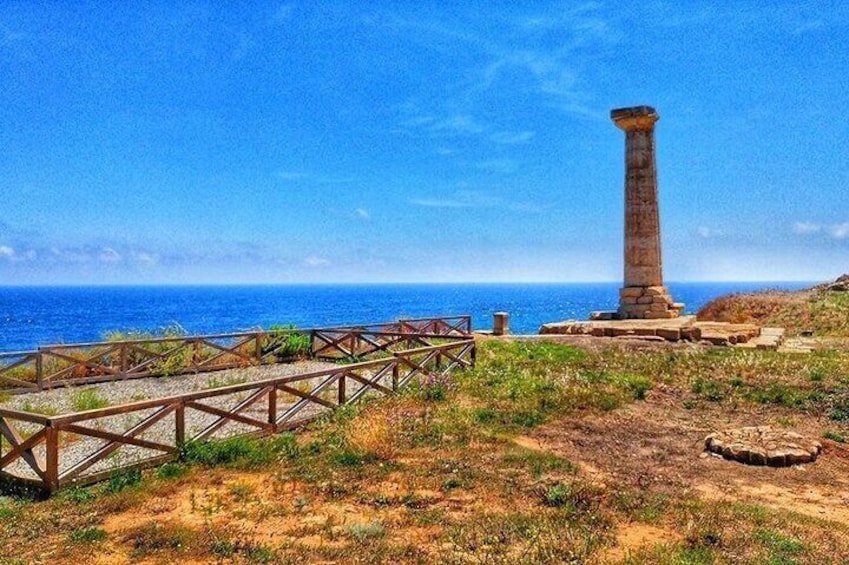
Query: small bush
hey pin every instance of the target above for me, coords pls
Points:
(78, 495)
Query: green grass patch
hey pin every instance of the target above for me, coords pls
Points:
(241, 452)
(88, 535)
(87, 399)
(836, 436)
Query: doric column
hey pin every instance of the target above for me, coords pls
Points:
(643, 295)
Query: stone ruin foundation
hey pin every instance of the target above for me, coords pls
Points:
(763, 445)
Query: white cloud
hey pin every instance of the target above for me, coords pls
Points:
(362, 214)
(313, 261)
(444, 151)
(839, 231)
(708, 232)
(461, 124)
(512, 137)
(146, 258)
(806, 227)
(109, 255)
(6, 252)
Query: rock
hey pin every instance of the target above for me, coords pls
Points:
(761, 445)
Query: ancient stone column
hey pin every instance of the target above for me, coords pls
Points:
(643, 295)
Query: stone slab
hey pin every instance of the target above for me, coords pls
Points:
(683, 328)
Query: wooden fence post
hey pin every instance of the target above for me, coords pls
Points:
(342, 396)
(395, 376)
(51, 445)
(180, 426)
(272, 406)
(39, 370)
(258, 347)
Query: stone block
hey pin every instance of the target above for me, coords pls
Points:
(664, 299)
(691, 333)
(629, 300)
(655, 291)
(641, 300)
(669, 334)
(631, 291)
(597, 331)
(617, 332)
(659, 307)
(657, 315)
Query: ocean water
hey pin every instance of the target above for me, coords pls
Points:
(33, 316)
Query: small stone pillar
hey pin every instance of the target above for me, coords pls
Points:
(643, 295)
(500, 324)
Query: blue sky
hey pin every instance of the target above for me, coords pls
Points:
(416, 141)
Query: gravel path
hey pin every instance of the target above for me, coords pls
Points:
(75, 448)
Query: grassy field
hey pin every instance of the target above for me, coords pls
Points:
(545, 453)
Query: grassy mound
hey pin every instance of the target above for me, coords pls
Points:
(819, 309)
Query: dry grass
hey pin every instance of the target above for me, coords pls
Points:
(544, 454)
(824, 312)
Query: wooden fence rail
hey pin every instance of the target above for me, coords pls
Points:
(51, 452)
(54, 366)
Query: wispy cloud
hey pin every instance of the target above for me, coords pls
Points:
(707, 232)
(518, 57)
(504, 166)
(839, 231)
(512, 137)
(835, 231)
(362, 214)
(315, 261)
(109, 255)
(6, 252)
(806, 227)
(440, 203)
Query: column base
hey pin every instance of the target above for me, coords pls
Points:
(647, 303)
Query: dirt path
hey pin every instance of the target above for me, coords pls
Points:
(658, 445)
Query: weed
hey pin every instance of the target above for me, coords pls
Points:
(87, 399)
(88, 535)
(638, 385)
(241, 452)
(155, 537)
(171, 471)
(78, 495)
(836, 436)
(215, 382)
(123, 479)
(43, 409)
(362, 531)
(241, 491)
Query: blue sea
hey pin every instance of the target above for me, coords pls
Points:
(33, 316)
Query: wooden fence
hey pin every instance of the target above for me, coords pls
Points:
(51, 452)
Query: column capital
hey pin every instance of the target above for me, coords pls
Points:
(634, 118)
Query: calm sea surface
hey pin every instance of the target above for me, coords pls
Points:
(32, 316)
